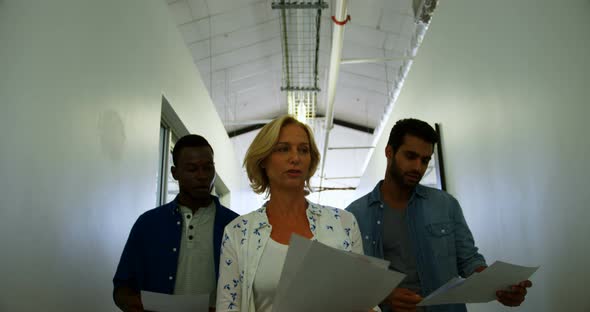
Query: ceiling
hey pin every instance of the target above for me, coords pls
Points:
(236, 46)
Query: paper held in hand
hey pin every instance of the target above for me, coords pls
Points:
(317, 277)
(174, 303)
(479, 287)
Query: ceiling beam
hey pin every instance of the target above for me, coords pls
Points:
(247, 129)
(257, 124)
(354, 126)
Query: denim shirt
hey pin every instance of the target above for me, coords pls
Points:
(150, 257)
(443, 243)
(244, 240)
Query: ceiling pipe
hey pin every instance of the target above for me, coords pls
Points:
(376, 60)
(340, 17)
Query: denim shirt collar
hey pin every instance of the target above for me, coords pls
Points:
(375, 195)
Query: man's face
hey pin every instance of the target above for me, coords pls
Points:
(409, 163)
(195, 172)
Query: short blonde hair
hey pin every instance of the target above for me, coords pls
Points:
(262, 147)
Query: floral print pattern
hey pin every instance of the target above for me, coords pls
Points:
(245, 237)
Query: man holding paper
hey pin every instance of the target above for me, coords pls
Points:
(174, 249)
(420, 230)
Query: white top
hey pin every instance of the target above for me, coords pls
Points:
(196, 268)
(269, 272)
(245, 240)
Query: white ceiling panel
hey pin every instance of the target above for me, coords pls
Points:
(180, 11)
(264, 64)
(397, 45)
(200, 49)
(366, 13)
(246, 36)
(392, 22)
(240, 18)
(380, 71)
(365, 36)
(199, 8)
(401, 6)
(351, 80)
(326, 25)
(409, 25)
(355, 50)
(204, 67)
(222, 6)
(247, 54)
(254, 82)
(195, 31)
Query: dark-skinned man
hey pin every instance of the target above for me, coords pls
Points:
(174, 249)
(420, 230)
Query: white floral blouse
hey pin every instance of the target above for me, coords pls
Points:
(244, 240)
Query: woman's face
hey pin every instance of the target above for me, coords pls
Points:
(287, 167)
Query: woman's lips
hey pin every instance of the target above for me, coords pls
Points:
(294, 173)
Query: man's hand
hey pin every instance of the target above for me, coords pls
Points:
(403, 300)
(515, 296)
(128, 300)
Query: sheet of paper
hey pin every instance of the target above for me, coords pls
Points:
(174, 303)
(480, 287)
(317, 277)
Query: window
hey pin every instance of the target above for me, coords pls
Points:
(167, 187)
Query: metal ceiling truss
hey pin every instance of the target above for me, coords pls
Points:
(300, 43)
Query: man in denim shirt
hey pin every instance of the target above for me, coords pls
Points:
(420, 230)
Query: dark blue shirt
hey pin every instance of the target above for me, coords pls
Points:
(150, 257)
(444, 246)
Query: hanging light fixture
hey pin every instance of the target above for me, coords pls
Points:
(300, 38)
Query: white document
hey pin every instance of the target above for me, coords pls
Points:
(317, 277)
(480, 287)
(174, 303)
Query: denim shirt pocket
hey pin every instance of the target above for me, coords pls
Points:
(442, 238)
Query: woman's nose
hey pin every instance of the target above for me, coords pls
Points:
(294, 156)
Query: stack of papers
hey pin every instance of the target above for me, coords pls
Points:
(174, 303)
(480, 287)
(317, 277)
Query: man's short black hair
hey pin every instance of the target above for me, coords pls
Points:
(411, 126)
(191, 140)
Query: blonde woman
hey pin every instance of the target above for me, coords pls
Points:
(279, 162)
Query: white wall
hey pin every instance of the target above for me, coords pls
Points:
(80, 99)
(508, 80)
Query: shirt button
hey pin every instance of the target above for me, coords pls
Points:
(443, 231)
(190, 237)
(378, 221)
(367, 237)
(170, 277)
(373, 242)
(191, 227)
(173, 249)
(188, 216)
(177, 222)
(381, 205)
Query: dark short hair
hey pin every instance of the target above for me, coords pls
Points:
(411, 126)
(191, 140)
